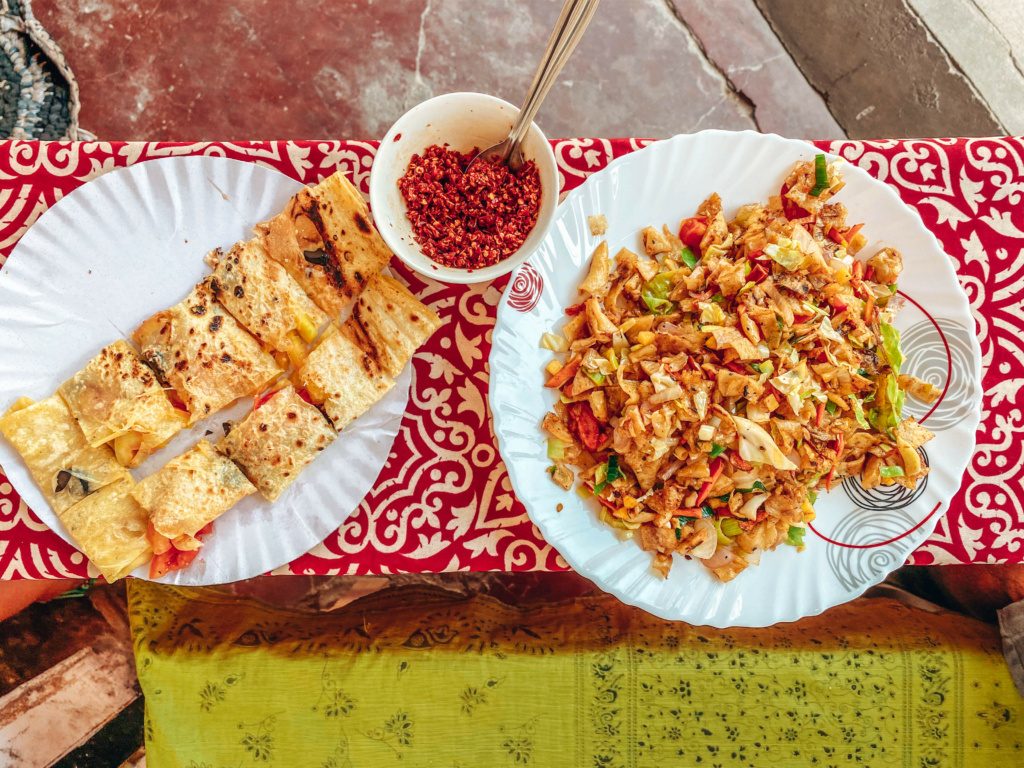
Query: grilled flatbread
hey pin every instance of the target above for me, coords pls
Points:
(63, 464)
(109, 526)
(191, 490)
(117, 397)
(343, 378)
(201, 351)
(265, 299)
(326, 241)
(389, 323)
(275, 442)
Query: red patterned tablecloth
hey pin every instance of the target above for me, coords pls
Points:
(443, 501)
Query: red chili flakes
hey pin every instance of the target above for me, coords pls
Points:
(469, 220)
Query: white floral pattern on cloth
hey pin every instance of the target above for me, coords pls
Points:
(443, 501)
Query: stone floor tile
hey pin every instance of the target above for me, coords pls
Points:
(738, 41)
(983, 51)
(881, 72)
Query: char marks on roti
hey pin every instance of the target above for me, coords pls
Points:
(344, 378)
(201, 351)
(274, 443)
(326, 242)
(389, 323)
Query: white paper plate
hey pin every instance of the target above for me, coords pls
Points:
(130, 244)
(872, 532)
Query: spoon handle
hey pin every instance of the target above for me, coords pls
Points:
(571, 24)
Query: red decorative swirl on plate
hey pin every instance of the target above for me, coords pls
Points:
(527, 286)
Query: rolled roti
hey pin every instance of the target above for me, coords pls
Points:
(326, 241)
(343, 378)
(117, 397)
(389, 323)
(264, 298)
(275, 442)
(63, 464)
(202, 351)
(109, 526)
(191, 490)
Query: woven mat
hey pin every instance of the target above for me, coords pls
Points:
(38, 92)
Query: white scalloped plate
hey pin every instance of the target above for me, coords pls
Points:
(109, 255)
(859, 537)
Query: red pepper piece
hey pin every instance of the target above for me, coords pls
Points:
(574, 310)
(758, 274)
(304, 394)
(584, 425)
(821, 414)
(260, 400)
(790, 209)
(691, 232)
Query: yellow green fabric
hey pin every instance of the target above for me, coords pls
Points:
(414, 677)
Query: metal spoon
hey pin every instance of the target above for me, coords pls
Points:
(571, 24)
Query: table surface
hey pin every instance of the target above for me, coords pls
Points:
(443, 501)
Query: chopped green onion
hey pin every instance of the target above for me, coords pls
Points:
(757, 486)
(706, 511)
(812, 496)
(724, 497)
(730, 527)
(614, 473)
(552, 469)
(718, 298)
(688, 257)
(891, 471)
(600, 486)
(756, 367)
(795, 537)
(716, 450)
(556, 449)
(831, 407)
(679, 533)
(722, 538)
(861, 372)
(820, 175)
(892, 288)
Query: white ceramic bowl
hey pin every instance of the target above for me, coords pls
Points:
(463, 121)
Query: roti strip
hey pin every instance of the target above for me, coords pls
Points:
(344, 378)
(389, 323)
(201, 351)
(192, 490)
(63, 464)
(275, 442)
(325, 239)
(109, 526)
(264, 298)
(117, 398)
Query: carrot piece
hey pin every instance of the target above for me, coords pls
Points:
(821, 414)
(716, 472)
(565, 374)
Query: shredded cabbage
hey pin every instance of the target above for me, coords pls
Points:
(787, 253)
(711, 313)
(756, 445)
(655, 294)
(554, 342)
(858, 412)
(891, 345)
